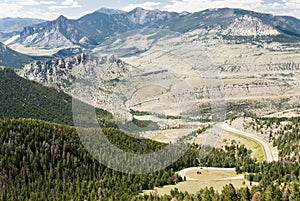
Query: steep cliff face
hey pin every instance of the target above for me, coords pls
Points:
(88, 78)
(81, 66)
(58, 33)
(249, 26)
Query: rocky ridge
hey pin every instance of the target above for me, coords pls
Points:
(88, 78)
(93, 29)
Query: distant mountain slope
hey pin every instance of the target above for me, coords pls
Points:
(21, 98)
(109, 11)
(87, 31)
(57, 33)
(233, 23)
(99, 26)
(149, 17)
(17, 24)
(289, 25)
(12, 59)
(91, 29)
(226, 23)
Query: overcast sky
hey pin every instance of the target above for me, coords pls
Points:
(51, 9)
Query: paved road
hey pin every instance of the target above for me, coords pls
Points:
(226, 127)
(183, 172)
(267, 150)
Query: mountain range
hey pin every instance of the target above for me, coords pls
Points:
(110, 11)
(10, 27)
(236, 40)
(93, 29)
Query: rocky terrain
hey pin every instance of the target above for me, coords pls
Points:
(89, 31)
(248, 60)
(88, 78)
(249, 26)
(224, 79)
(11, 27)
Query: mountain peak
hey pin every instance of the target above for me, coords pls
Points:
(61, 18)
(95, 28)
(138, 9)
(184, 13)
(109, 11)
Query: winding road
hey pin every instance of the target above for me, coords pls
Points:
(266, 147)
(226, 127)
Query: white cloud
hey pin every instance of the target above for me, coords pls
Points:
(9, 8)
(65, 5)
(71, 3)
(35, 3)
(147, 5)
(45, 14)
(47, 2)
(57, 7)
(17, 10)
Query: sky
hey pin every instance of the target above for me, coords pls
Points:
(51, 9)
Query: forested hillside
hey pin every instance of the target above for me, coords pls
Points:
(12, 59)
(46, 161)
(21, 98)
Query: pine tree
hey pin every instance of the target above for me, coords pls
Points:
(229, 193)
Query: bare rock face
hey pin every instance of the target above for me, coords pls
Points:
(81, 66)
(50, 36)
(249, 26)
(87, 78)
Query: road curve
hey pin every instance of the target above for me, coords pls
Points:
(267, 150)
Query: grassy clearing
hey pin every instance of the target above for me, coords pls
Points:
(162, 138)
(255, 147)
(208, 178)
(35, 51)
(167, 136)
(208, 175)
